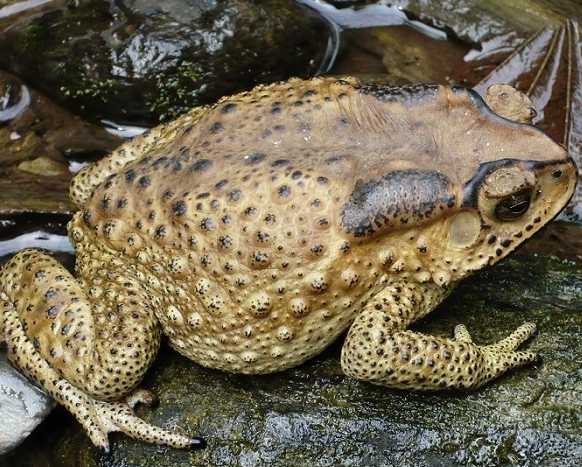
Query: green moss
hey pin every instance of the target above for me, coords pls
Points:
(177, 91)
(148, 61)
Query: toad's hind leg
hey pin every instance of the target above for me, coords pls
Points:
(379, 350)
(86, 356)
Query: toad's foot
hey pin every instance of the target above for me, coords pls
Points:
(502, 356)
(118, 416)
(380, 351)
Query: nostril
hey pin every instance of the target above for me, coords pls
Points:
(557, 173)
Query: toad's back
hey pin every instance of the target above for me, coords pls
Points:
(241, 221)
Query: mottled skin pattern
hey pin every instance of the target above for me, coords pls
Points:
(253, 233)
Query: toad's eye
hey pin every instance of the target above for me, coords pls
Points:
(513, 206)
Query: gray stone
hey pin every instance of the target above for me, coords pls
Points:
(22, 406)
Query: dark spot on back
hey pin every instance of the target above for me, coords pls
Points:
(160, 231)
(50, 293)
(280, 163)
(221, 184)
(207, 224)
(144, 181)
(250, 211)
(262, 236)
(254, 158)
(130, 175)
(228, 108)
(87, 217)
(159, 162)
(333, 159)
(284, 191)
(225, 241)
(105, 202)
(216, 127)
(317, 249)
(234, 195)
(201, 166)
(260, 257)
(179, 208)
(52, 312)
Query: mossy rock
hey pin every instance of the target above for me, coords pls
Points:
(37, 138)
(142, 60)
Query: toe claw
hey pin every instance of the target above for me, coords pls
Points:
(141, 396)
(197, 443)
(526, 357)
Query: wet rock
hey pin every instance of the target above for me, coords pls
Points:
(22, 406)
(560, 239)
(37, 138)
(141, 60)
(315, 416)
(43, 166)
(400, 55)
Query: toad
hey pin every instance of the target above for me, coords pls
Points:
(253, 233)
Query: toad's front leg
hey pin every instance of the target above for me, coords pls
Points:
(378, 349)
(88, 356)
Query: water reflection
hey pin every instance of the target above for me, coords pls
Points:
(36, 239)
(123, 131)
(9, 112)
(34, 231)
(10, 10)
(370, 16)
